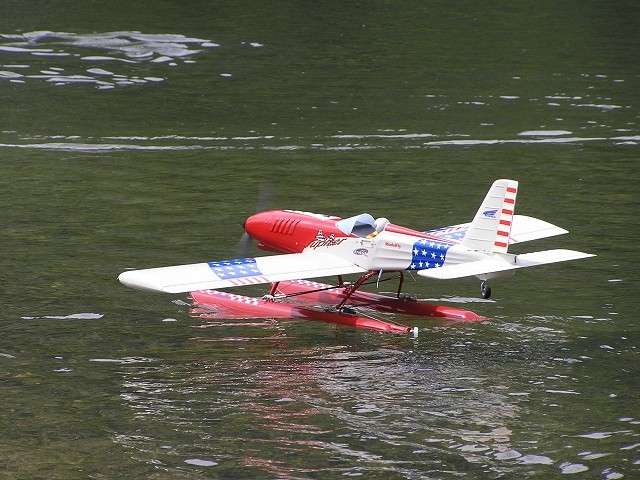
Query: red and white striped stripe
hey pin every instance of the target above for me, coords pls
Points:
(242, 281)
(506, 218)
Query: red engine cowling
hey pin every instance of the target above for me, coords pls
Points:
(290, 231)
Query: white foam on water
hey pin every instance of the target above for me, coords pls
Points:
(454, 299)
(545, 133)
(613, 475)
(201, 463)
(596, 435)
(407, 135)
(162, 59)
(7, 48)
(473, 448)
(367, 408)
(593, 456)
(564, 392)
(630, 447)
(99, 71)
(99, 58)
(107, 79)
(508, 455)
(124, 360)
(52, 54)
(601, 106)
(73, 316)
(285, 400)
(535, 460)
(125, 48)
(571, 468)
(634, 138)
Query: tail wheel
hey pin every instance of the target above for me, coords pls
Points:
(485, 290)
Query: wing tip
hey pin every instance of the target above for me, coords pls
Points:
(138, 280)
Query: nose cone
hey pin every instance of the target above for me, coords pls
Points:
(274, 231)
(257, 225)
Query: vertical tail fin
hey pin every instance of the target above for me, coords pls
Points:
(491, 227)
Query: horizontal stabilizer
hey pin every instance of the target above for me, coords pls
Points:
(237, 272)
(548, 256)
(526, 229)
(501, 263)
(469, 269)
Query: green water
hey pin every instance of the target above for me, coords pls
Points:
(140, 135)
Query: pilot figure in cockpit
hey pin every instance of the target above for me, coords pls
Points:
(380, 223)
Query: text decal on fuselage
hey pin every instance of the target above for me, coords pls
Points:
(322, 241)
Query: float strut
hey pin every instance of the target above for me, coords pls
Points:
(274, 289)
(351, 289)
(401, 281)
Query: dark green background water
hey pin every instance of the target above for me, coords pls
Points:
(121, 149)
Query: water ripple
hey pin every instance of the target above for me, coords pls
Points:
(121, 50)
(274, 143)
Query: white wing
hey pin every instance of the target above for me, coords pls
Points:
(237, 272)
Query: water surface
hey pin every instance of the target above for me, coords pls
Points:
(141, 135)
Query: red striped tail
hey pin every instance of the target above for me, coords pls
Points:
(501, 243)
(491, 227)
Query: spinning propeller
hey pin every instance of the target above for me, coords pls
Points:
(265, 194)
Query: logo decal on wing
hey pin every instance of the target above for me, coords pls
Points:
(490, 213)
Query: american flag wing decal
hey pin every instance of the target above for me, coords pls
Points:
(237, 272)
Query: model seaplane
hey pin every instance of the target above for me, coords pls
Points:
(310, 246)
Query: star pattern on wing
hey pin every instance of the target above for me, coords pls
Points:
(241, 267)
